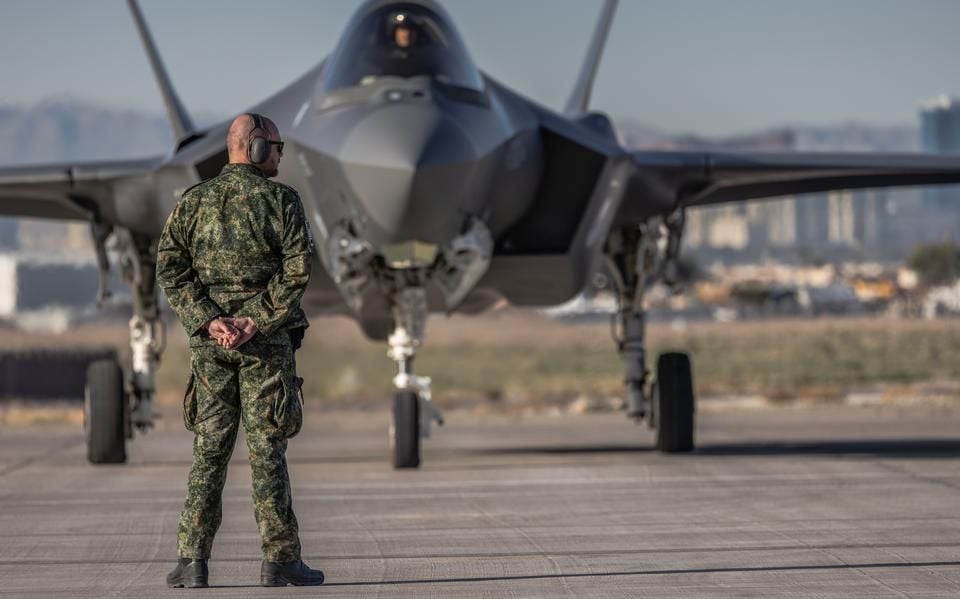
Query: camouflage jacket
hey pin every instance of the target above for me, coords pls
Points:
(236, 245)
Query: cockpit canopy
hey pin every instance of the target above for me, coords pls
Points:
(400, 40)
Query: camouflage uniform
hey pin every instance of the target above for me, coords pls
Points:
(239, 245)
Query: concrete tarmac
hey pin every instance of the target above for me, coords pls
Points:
(787, 502)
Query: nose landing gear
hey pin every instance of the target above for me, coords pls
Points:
(413, 410)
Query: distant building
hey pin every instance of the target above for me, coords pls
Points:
(34, 282)
(842, 219)
(780, 221)
(940, 133)
(8, 234)
(812, 224)
(940, 125)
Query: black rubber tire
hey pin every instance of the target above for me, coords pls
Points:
(104, 419)
(675, 403)
(406, 430)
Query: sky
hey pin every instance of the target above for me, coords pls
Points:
(707, 67)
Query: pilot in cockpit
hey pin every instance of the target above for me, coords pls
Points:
(401, 43)
(404, 32)
(403, 36)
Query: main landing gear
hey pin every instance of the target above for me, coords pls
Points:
(116, 405)
(638, 257)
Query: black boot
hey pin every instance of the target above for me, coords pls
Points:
(190, 573)
(273, 574)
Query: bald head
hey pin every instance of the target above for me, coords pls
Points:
(239, 136)
(238, 139)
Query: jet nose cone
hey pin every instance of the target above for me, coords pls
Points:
(407, 136)
(409, 166)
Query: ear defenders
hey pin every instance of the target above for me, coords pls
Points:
(258, 144)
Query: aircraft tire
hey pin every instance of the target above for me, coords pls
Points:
(104, 416)
(675, 403)
(405, 432)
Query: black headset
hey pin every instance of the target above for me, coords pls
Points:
(258, 145)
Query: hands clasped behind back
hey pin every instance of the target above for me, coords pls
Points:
(230, 332)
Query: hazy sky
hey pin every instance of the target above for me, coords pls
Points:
(700, 66)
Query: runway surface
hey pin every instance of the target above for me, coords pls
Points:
(824, 502)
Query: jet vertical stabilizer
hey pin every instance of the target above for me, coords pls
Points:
(183, 128)
(579, 99)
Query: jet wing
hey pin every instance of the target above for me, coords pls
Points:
(81, 191)
(663, 181)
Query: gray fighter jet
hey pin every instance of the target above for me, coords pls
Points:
(431, 187)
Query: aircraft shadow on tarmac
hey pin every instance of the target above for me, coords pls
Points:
(927, 448)
(790, 568)
(624, 573)
(559, 449)
(880, 448)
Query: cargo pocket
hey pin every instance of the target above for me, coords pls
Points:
(288, 407)
(190, 405)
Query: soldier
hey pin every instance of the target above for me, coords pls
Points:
(234, 260)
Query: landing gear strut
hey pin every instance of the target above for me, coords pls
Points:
(116, 405)
(638, 257)
(413, 411)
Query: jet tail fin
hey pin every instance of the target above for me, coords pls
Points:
(580, 97)
(183, 128)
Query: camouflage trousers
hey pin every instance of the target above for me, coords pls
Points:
(255, 384)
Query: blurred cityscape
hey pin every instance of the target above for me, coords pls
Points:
(839, 252)
(875, 225)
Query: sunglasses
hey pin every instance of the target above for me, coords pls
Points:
(279, 145)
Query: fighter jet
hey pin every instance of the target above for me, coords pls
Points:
(431, 187)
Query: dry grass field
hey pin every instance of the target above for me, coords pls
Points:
(513, 358)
